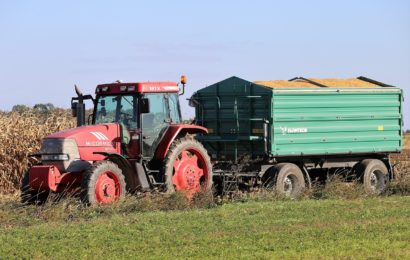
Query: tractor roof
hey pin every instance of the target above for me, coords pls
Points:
(137, 87)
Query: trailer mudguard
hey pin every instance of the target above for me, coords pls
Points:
(172, 133)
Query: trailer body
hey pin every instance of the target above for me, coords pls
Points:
(286, 134)
(254, 120)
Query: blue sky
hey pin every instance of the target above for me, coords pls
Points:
(48, 46)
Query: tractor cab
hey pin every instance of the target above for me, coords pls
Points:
(143, 111)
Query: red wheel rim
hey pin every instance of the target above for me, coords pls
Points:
(107, 188)
(190, 172)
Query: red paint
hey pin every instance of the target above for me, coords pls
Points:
(48, 177)
(172, 132)
(93, 138)
(190, 170)
(107, 188)
(140, 87)
(42, 178)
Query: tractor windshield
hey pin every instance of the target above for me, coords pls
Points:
(117, 109)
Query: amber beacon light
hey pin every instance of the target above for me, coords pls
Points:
(183, 82)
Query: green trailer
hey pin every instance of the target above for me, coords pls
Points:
(303, 125)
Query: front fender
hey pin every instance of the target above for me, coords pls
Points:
(135, 177)
(173, 132)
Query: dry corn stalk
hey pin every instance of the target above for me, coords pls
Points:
(20, 136)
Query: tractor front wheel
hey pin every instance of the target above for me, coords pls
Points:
(103, 183)
(187, 168)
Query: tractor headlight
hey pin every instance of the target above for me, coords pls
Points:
(60, 152)
(55, 157)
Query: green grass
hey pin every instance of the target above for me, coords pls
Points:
(360, 228)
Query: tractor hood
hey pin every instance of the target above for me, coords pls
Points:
(94, 138)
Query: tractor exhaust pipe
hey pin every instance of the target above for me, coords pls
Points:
(78, 108)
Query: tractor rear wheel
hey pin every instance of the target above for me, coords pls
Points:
(103, 183)
(187, 168)
(290, 181)
(374, 175)
(30, 196)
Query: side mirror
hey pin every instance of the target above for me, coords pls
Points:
(74, 109)
(144, 106)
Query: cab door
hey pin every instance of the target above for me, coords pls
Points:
(154, 123)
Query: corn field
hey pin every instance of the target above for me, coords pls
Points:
(20, 136)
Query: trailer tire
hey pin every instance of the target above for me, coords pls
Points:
(290, 181)
(374, 175)
(187, 167)
(103, 183)
(30, 196)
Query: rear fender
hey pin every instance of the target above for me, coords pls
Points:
(172, 133)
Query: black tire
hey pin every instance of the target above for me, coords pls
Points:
(103, 183)
(30, 196)
(269, 179)
(374, 175)
(289, 181)
(196, 149)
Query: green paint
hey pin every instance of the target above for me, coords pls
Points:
(301, 121)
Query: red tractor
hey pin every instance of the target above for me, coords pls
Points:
(135, 141)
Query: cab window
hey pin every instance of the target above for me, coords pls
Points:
(174, 110)
(117, 109)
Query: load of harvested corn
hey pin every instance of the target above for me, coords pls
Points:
(331, 83)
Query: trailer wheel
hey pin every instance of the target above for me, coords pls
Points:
(30, 196)
(103, 183)
(374, 175)
(290, 181)
(187, 167)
